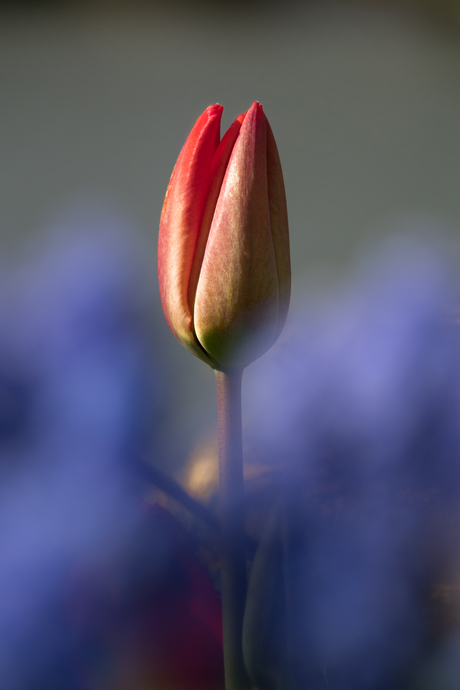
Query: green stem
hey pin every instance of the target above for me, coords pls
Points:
(231, 497)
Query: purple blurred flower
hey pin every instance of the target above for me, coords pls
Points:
(76, 386)
(359, 410)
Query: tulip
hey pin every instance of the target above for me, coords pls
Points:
(223, 255)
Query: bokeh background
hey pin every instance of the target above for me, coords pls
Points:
(96, 100)
(363, 97)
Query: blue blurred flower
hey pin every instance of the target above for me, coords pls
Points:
(358, 411)
(77, 389)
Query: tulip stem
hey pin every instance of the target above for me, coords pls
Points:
(231, 498)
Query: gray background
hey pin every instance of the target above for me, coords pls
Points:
(364, 101)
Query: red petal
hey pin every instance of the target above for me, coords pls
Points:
(238, 285)
(180, 223)
(218, 168)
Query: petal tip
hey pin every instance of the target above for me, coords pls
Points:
(214, 109)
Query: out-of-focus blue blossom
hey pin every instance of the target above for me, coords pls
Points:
(76, 386)
(358, 408)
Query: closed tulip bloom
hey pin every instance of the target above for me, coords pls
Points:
(223, 254)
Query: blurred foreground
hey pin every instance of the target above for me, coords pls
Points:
(353, 483)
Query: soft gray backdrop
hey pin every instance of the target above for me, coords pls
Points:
(364, 102)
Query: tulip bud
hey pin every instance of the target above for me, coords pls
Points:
(223, 252)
